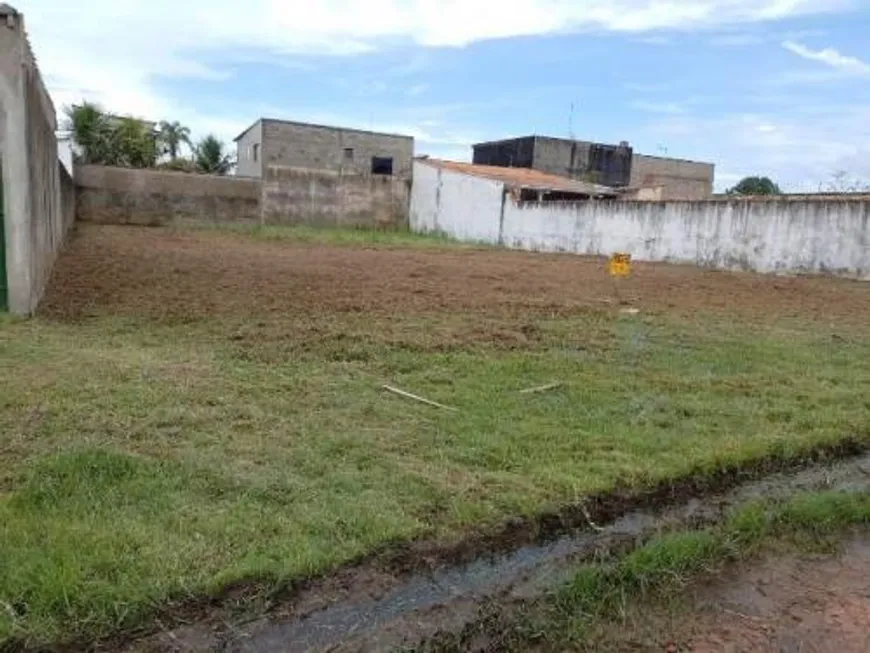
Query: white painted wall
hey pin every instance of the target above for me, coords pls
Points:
(458, 205)
(763, 236)
(783, 236)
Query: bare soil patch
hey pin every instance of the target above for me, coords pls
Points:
(794, 604)
(164, 273)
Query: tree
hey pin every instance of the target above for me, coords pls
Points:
(172, 136)
(210, 157)
(755, 186)
(135, 143)
(111, 141)
(92, 134)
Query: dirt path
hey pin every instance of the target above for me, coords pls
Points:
(159, 273)
(787, 605)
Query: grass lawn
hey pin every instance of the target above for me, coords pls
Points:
(151, 459)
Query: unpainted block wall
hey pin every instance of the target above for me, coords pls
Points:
(678, 179)
(156, 197)
(297, 145)
(298, 196)
(246, 166)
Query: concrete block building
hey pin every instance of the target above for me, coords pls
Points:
(609, 165)
(675, 179)
(285, 144)
(616, 166)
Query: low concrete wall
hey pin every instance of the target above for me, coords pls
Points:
(825, 236)
(156, 197)
(299, 196)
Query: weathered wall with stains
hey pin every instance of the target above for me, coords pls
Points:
(323, 198)
(826, 236)
(156, 197)
(34, 222)
(763, 236)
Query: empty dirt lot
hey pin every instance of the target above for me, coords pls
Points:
(160, 273)
(195, 424)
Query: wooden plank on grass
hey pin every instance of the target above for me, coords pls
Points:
(422, 400)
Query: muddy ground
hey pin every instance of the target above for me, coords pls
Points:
(162, 273)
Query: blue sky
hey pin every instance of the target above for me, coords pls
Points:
(775, 87)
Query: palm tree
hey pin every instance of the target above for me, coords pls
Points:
(92, 133)
(172, 136)
(210, 158)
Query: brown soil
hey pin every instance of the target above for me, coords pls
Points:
(164, 273)
(795, 604)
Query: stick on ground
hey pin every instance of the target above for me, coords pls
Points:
(422, 400)
(543, 388)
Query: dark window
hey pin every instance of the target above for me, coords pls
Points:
(348, 154)
(382, 165)
(255, 151)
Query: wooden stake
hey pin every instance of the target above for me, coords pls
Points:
(422, 400)
(543, 388)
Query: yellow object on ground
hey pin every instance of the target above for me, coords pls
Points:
(620, 265)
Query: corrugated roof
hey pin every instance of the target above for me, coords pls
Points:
(524, 178)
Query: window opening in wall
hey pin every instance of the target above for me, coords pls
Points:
(348, 154)
(382, 165)
(255, 152)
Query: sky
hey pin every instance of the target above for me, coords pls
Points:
(758, 87)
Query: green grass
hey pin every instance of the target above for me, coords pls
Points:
(668, 563)
(386, 237)
(146, 461)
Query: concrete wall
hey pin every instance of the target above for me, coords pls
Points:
(299, 196)
(249, 152)
(349, 151)
(679, 179)
(462, 206)
(35, 224)
(789, 236)
(156, 197)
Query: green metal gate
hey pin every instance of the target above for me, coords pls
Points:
(4, 284)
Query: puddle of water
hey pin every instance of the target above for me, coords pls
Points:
(376, 624)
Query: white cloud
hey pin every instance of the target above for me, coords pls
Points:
(671, 108)
(417, 89)
(830, 57)
(114, 51)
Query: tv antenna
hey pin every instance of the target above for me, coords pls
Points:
(571, 122)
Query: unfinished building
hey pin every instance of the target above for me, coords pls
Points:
(286, 144)
(616, 166)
